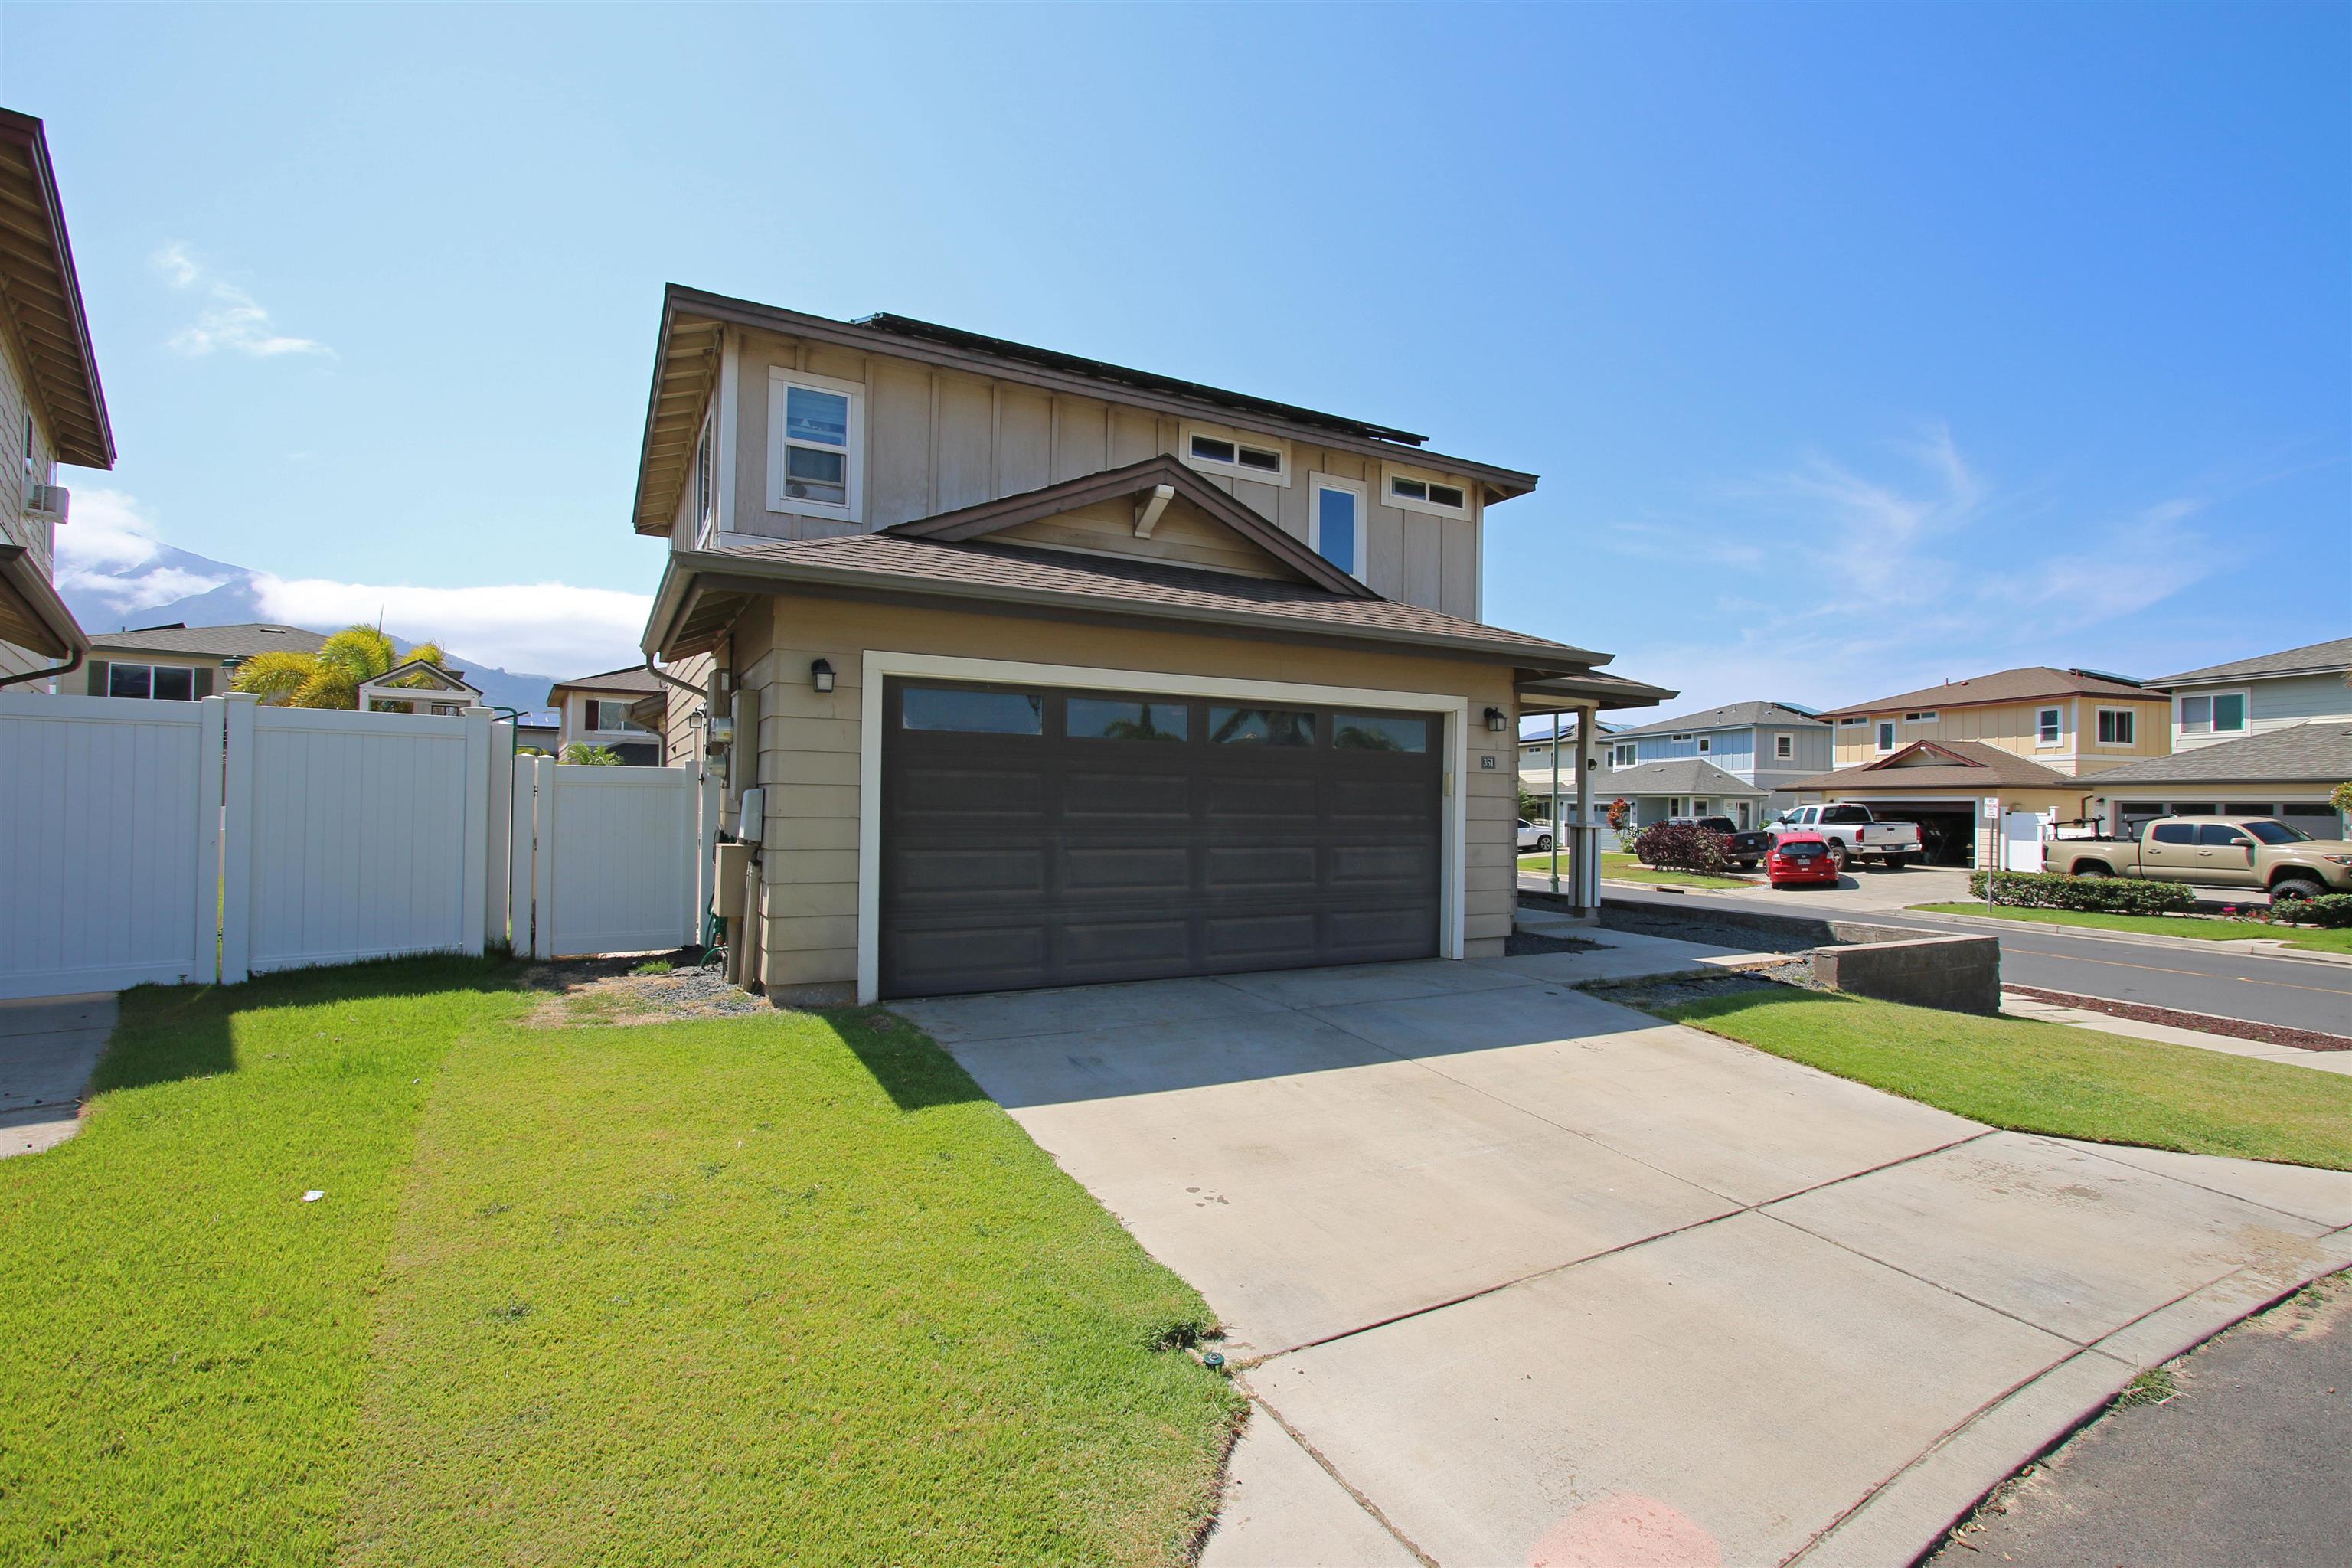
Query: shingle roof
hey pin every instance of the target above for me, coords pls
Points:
(2302, 754)
(240, 641)
(1972, 765)
(629, 678)
(1677, 775)
(1730, 716)
(885, 560)
(2002, 685)
(2312, 658)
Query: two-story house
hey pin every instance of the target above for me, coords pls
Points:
(52, 411)
(2268, 735)
(2028, 739)
(1739, 760)
(621, 711)
(1049, 670)
(1557, 734)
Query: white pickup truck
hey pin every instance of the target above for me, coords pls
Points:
(1853, 834)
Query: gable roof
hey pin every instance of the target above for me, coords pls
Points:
(43, 298)
(2312, 658)
(633, 680)
(1676, 776)
(1134, 479)
(442, 677)
(2301, 753)
(2024, 685)
(1730, 716)
(241, 640)
(701, 591)
(1941, 765)
(686, 360)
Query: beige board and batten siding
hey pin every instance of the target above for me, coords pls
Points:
(2013, 727)
(936, 440)
(15, 523)
(809, 746)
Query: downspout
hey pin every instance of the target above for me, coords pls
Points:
(67, 667)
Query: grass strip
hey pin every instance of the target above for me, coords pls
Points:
(786, 1288)
(185, 1336)
(2197, 927)
(2037, 1077)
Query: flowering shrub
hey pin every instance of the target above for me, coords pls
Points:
(2108, 895)
(2330, 909)
(1620, 811)
(1681, 846)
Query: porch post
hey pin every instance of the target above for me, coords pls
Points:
(1584, 868)
(1556, 824)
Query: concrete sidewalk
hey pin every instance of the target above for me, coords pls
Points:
(2230, 1045)
(47, 1049)
(1514, 1274)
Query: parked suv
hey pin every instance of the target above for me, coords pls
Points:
(2214, 851)
(1743, 847)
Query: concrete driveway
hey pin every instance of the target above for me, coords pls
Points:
(1516, 1276)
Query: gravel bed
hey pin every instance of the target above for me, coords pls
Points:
(2206, 1023)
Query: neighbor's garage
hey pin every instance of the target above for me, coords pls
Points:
(1947, 827)
(1050, 838)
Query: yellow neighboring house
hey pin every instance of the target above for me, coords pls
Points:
(2030, 739)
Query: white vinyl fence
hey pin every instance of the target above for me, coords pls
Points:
(177, 841)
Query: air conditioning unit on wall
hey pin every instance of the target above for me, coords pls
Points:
(46, 502)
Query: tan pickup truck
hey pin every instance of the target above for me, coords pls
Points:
(2213, 852)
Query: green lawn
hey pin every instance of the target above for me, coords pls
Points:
(2201, 928)
(1625, 869)
(744, 1290)
(2049, 1077)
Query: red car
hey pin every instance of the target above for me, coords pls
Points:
(1797, 859)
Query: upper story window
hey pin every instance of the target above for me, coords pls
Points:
(1923, 716)
(817, 445)
(1624, 758)
(2118, 726)
(1235, 454)
(1784, 747)
(1335, 522)
(2048, 726)
(706, 490)
(610, 714)
(1416, 492)
(2222, 713)
(1852, 724)
(1886, 735)
(1705, 744)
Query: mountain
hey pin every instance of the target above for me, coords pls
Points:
(170, 585)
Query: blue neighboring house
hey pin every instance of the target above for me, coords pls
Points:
(1737, 761)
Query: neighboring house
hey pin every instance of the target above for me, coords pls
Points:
(1741, 760)
(2266, 735)
(52, 410)
(1050, 670)
(533, 733)
(620, 709)
(180, 663)
(2030, 739)
(1536, 752)
(415, 686)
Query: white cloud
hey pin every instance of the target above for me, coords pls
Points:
(109, 529)
(549, 627)
(230, 318)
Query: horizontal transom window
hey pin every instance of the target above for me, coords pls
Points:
(1235, 455)
(1419, 492)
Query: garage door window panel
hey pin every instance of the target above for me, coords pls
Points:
(1261, 727)
(1381, 732)
(1128, 719)
(973, 712)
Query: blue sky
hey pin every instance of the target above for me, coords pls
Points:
(1858, 347)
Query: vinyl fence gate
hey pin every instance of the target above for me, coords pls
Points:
(181, 842)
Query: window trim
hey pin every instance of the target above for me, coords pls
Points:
(2245, 710)
(1922, 716)
(1784, 747)
(595, 724)
(705, 488)
(852, 509)
(1706, 745)
(1883, 736)
(1279, 478)
(1317, 484)
(1391, 472)
(2056, 713)
(2099, 723)
(1625, 754)
(150, 666)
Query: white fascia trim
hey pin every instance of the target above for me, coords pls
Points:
(881, 664)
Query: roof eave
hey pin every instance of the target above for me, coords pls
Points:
(25, 131)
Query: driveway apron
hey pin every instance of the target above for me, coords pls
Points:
(1517, 1275)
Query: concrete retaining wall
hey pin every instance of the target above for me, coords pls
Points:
(1958, 973)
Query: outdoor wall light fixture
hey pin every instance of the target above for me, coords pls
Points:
(821, 675)
(1495, 720)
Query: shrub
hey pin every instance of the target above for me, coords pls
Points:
(1681, 846)
(582, 755)
(2331, 909)
(2107, 895)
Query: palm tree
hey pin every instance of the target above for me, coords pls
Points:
(332, 677)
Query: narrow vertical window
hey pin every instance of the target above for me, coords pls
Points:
(1336, 522)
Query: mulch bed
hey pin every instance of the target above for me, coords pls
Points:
(605, 990)
(2236, 1028)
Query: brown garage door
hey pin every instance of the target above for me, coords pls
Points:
(1043, 837)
